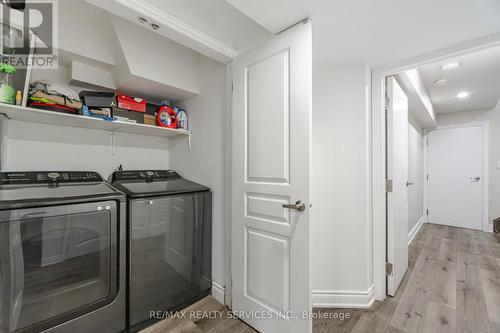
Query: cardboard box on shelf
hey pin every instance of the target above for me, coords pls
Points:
(149, 120)
(132, 116)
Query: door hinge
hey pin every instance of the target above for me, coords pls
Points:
(388, 268)
(427, 177)
(427, 212)
(387, 103)
(388, 185)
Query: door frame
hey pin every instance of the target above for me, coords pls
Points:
(378, 149)
(486, 172)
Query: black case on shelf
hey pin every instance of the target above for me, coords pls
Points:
(137, 117)
(152, 109)
(97, 99)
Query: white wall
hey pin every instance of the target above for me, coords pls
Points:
(415, 174)
(30, 146)
(206, 163)
(60, 76)
(154, 59)
(84, 31)
(422, 93)
(341, 198)
(493, 117)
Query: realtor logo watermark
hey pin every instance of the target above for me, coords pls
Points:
(29, 36)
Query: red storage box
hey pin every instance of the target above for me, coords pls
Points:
(131, 103)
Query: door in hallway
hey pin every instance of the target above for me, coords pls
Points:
(455, 168)
(397, 173)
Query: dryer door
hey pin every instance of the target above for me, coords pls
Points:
(56, 264)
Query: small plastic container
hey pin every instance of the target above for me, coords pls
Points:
(19, 97)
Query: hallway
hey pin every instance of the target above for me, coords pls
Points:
(452, 285)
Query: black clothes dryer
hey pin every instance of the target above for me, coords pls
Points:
(169, 242)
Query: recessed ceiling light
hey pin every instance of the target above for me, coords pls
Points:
(450, 66)
(463, 94)
(441, 82)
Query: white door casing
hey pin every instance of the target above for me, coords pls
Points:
(456, 188)
(397, 171)
(272, 105)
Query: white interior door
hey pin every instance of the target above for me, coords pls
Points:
(397, 171)
(455, 185)
(271, 161)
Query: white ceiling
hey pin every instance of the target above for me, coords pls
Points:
(382, 31)
(478, 73)
(216, 18)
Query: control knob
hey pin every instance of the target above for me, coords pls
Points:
(53, 178)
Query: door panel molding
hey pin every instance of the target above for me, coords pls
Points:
(267, 207)
(261, 123)
(282, 302)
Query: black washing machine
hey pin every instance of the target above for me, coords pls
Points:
(169, 242)
(62, 253)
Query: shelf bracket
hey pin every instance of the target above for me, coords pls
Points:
(112, 135)
(4, 115)
(3, 139)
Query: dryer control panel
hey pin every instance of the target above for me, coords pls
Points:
(144, 175)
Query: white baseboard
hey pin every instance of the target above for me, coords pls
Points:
(489, 228)
(218, 292)
(415, 230)
(343, 298)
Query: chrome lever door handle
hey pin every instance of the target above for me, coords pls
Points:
(475, 179)
(298, 206)
(408, 184)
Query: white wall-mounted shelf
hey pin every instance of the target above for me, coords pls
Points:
(63, 119)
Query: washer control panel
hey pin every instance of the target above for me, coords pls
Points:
(145, 175)
(49, 177)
